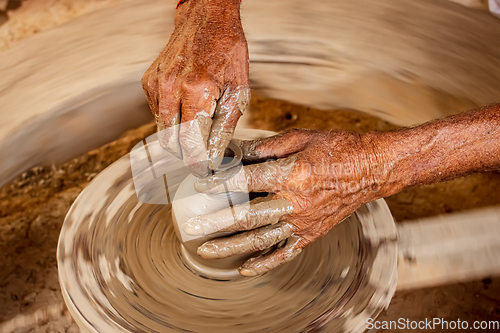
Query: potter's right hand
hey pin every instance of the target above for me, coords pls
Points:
(200, 79)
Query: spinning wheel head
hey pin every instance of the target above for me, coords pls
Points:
(123, 269)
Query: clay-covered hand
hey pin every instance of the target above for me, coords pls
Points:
(200, 80)
(319, 178)
(315, 180)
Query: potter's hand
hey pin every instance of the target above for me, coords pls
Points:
(318, 179)
(201, 77)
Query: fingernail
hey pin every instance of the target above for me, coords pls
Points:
(247, 269)
(203, 185)
(193, 228)
(208, 251)
(248, 272)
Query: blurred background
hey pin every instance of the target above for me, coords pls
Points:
(71, 104)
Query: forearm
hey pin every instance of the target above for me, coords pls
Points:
(207, 9)
(441, 149)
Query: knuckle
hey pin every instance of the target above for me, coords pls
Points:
(259, 243)
(246, 221)
(197, 86)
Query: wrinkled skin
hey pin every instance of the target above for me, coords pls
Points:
(323, 177)
(200, 76)
(319, 178)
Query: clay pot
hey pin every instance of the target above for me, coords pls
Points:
(122, 268)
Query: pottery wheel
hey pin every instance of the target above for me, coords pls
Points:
(121, 270)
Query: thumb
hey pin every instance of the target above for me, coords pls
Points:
(229, 109)
(277, 146)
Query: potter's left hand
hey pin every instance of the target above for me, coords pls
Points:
(318, 179)
(321, 177)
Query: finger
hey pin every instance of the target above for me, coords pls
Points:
(277, 146)
(262, 177)
(229, 110)
(265, 263)
(198, 107)
(168, 135)
(255, 214)
(165, 106)
(250, 241)
(168, 120)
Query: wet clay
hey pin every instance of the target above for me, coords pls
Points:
(229, 109)
(121, 267)
(256, 240)
(188, 204)
(247, 216)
